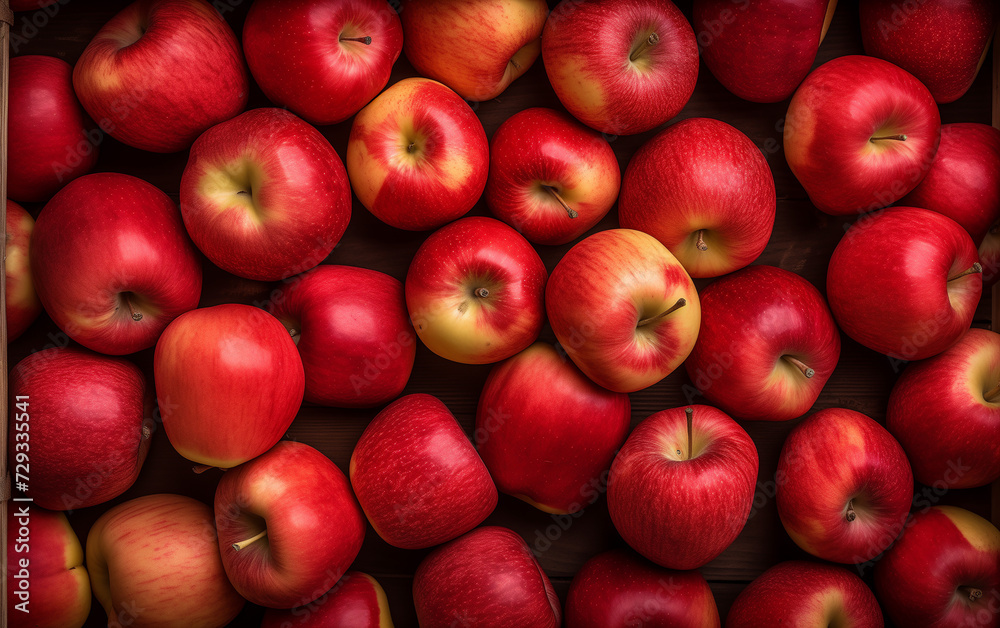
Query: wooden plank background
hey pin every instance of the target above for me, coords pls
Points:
(802, 242)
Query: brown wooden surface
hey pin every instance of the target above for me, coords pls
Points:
(802, 242)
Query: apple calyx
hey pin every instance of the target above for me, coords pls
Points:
(647, 43)
(976, 268)
(363, 40)
(250, 541)
(799, 364)
(900, 138)
(681, 302)
(700, 243)
(851, 514)
(970, 593)
(559, 199)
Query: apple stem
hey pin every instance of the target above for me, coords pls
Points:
(901, 138)
(972, 593)
(690, 416)
(650, 41)
(851, 515)
(253, 539)
(799, 364)
(681, 302)
(136, 316)
(482, 293)
(364, 40)
(976, 268)
(701, 241)
(201, 468)
(569, 210)
(993, 394)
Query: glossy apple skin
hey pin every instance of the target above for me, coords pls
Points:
(444, 297)
(475, 48)
(942, 549)
(681, 512)
(599, 292)
(540, 147)
(314, 525)
(136, 258)
(800, 593)
(941, 42)
(296, 55)
(221, 400)
(701, 176)
(90, 418)
(888, 286)
(48, 142)
(264, 195)
(45, 572)
(963, 182)
(21, 300)
(587, 49)
(830, 124)
(617, 589)
(356, 600)
(353, 334)
(437, 181)
(752, 321)
(160, 72)
(417, 476)
(835, 462)
(939, 413)
(546, 432)
(761, 51)
(487, 578)
(154, 561)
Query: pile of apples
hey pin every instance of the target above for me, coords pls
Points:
(264, 196)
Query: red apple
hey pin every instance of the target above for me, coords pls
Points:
(963, 182)
(845, 486)
(767, 345)
(616, 590)
(551, 178)
(154, 561)
(623, 309)
(945, 412)
(115, 290)
(288, 524)
(21, 300)
(488, 578)
(417, 476)
(323, 59)
(280, 210)
(475, 291)
(353, 334)
(905, 282)
(761, 51)
(943, 571)
(799, 593)
(229, 382)
(80, 423)
(860, 134)
(160, 72)
(475, 48)
(546, 432)
(705, 191)
(682, 485)
(620, 66)
(49, 142)
(417, 155)
(47, 584)
(357, 600)
(941, 42)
